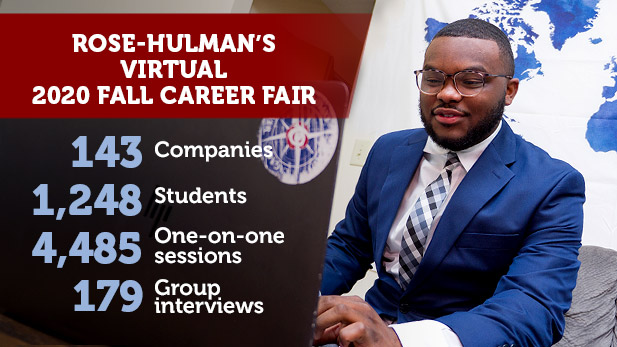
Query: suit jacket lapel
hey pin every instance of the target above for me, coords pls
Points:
(485, 179)
(403, 164)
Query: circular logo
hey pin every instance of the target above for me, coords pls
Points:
(302, 147)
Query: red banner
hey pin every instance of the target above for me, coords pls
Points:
(179, 65)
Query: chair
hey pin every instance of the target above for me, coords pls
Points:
(592, 318)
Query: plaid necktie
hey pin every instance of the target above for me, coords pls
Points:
(420, 220)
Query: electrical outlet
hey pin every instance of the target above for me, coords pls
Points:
(360, 151)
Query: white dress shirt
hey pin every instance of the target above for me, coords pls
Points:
(428, 333)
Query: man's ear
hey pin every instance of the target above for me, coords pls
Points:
(511, 90)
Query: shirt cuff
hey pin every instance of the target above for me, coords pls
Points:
(426, 333)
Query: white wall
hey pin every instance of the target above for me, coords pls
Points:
(385, 98)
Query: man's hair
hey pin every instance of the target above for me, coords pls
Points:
(479, 29)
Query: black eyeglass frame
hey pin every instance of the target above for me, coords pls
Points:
(453, 76)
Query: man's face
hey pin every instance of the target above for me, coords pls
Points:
(456, 122)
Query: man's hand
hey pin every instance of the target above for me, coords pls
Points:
(351, 321)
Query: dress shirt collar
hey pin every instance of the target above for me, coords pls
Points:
(436, 154)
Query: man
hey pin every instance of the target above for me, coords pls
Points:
(474, 231)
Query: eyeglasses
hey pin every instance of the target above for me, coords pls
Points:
(467, 82)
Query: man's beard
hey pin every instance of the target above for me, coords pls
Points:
(475, 135)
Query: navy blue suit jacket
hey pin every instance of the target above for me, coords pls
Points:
(502, 263)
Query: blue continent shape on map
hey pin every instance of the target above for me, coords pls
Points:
(506, 15)
(432, 27)
(602, 126)
(569, 18)
(609, 92)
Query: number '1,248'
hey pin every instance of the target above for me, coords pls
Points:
(129, 204)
